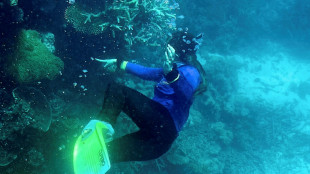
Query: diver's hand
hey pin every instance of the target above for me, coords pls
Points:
(170, 56)
(109, 64)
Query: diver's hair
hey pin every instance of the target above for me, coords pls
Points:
(193, 61)
(186, 45)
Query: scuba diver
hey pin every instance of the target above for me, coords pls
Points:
(161, 118)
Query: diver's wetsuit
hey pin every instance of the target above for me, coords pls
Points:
(159, 119)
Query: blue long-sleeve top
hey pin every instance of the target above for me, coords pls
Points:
(177, 97)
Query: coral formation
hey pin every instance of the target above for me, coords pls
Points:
(196, 151)
(48, 39)
(224, 135)
(29, 110)
(6, 158)
(38, 108)
(136, 21)
(35, 158)
(31, 60)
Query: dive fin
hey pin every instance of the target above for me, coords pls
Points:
(90, 153)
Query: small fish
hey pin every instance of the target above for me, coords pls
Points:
(60, 73)
(74, 84)
(85, 75)
(61, 147)
(181, 17)
(71, 1)
(199, 36)
(84, 70)
(196, 47)
(82, 86)
(39, 83)
(80, 76)
(91, 58)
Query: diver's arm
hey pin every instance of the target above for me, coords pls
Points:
(146, 73)
(154, 74)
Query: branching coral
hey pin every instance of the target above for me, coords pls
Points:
(136, 21)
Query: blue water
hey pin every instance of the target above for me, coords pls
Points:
(254, 117)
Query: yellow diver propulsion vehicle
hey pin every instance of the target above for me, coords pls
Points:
(90, 154)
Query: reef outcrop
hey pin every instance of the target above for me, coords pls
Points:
(32, 61)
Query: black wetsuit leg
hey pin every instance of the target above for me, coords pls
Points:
(156, 127)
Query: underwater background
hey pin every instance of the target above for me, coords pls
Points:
(254, 117)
